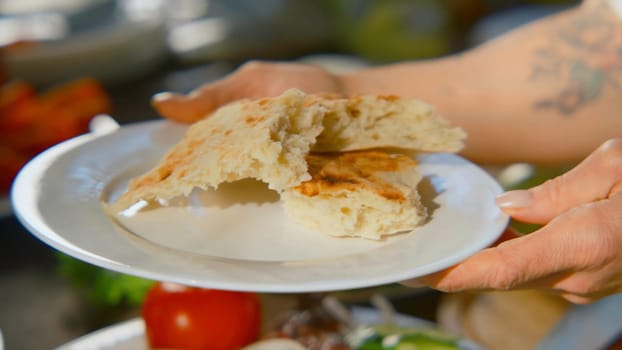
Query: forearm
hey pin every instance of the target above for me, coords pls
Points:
(540, 94)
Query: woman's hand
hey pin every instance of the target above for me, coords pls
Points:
(577, 253)
(252, 80)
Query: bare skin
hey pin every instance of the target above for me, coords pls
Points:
(549, 92)
(545, 93)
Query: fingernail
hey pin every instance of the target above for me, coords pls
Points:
(162, 96)
(514, 199)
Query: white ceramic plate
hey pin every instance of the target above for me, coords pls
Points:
(127, 335)
(238, 238)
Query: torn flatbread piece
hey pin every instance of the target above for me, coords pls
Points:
(265, 139)
(367, 122)
(369, 194)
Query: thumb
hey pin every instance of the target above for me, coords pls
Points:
(595, 178)
(175, 107)
(194, 106)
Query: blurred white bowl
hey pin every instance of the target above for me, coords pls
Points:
(99, 41)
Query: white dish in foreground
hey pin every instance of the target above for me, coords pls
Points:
(130, 335)
(234, 241)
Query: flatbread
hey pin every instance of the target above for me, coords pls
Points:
(265, 139)
(269, 139)
(366, 122)
(367, 194)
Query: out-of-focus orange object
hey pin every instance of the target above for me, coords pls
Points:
(31, 122)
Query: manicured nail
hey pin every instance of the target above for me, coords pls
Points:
(162, 96)
(514, 199)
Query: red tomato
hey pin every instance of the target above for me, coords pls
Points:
(179, 317)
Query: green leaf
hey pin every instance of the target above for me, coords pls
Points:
(103, 288)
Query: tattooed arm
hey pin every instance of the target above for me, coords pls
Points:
(550, 91)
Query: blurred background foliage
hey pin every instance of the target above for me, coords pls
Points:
(383, 31)
(103, 288)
